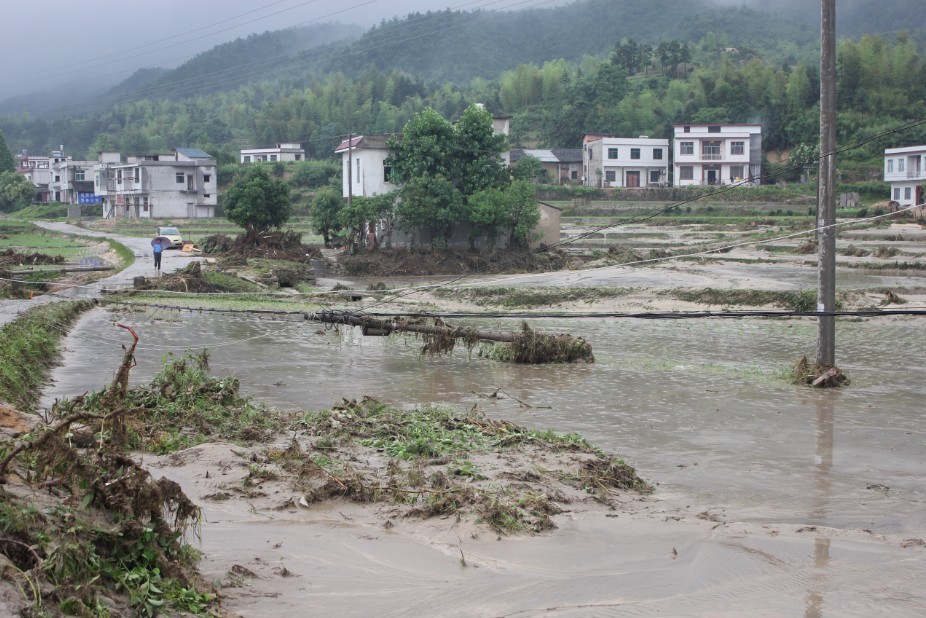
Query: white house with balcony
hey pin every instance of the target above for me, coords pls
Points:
(717, 154)
(905, 171)
(626, 162)
(179, 185)
(280, 152)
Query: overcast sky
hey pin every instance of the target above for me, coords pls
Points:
(56, 41)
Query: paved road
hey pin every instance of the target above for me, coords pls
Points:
(143, 266)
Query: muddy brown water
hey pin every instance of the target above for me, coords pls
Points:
(817, 489)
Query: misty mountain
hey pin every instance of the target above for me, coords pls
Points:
(853, 17)
(73, 92)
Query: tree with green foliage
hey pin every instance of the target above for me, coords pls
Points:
(511, 211)
(16, 191)
(438, 165)
(258, 202)
(325, 207)
(7, 164)
(530, 169)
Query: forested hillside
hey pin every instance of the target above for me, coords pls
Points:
(560, 73)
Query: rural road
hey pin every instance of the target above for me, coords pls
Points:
(142, 267)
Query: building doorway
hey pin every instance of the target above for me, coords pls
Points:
(633, 180)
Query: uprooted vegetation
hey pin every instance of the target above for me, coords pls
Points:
(416, 262)
(193, 278)
(274, 258)
(284, 245)
(435, 461)
(86, 530)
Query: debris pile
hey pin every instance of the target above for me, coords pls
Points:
(279, 245)
(817, 375)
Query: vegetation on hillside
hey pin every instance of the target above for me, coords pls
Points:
(559, 72)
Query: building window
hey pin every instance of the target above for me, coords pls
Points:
(736, 173)
(591, 154)
(298, 157)
(207, 195)
(687, 129)
(686, 172)
(714, 128)
(180, 178)
(79, 175)
(273, 158)
(387, 173)
(686, 148)
(247, 158)
(57, 177)
(574, 175)
(207, 177)
(896, 195)
(357, 179)
(610, 176)
(737, 148)
(118, 175)
(710, 151)
(654, 177)
(900, 166)
(612, 153)
(634, 153)
(657, 154)
(906, 193)
(890, 166)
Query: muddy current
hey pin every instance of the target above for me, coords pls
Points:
(700, 407)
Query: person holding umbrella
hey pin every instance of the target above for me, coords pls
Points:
(157, 248)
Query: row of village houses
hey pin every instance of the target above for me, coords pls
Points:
(183, 184)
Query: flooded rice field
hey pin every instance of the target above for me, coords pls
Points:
(700, 407)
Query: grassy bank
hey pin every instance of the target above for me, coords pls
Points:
(29, 348)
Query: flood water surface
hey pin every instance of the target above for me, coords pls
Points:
(700, 407)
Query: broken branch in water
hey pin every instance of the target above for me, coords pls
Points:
(526, 346)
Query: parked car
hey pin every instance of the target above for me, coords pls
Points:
(172, 234)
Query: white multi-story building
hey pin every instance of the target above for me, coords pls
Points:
(905, 171)
(717, 154)
(280, 152)
(630, 162)
(179, 185)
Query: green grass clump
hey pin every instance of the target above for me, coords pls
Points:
(430, 431)
(29, 347)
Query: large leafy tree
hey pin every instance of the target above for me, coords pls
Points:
(16, 191)
(439, 165)
(258, 202)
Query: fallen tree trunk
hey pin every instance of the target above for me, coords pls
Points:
(526, 346)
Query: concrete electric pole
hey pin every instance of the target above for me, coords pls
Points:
(826, 206)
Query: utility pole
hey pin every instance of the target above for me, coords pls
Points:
(826, 203)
